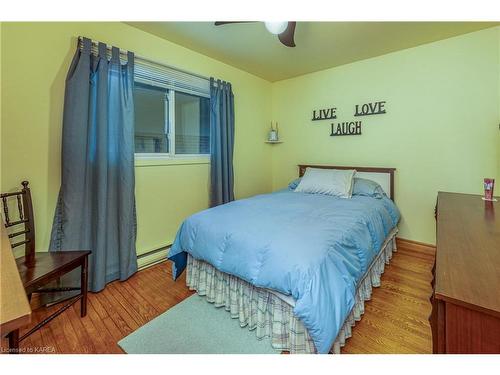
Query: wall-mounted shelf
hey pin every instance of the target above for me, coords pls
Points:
(274, 142)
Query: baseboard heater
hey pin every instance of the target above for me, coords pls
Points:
(153, 257)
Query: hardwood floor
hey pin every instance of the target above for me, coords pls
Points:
(395, 320)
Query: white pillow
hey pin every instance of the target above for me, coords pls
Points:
(336, 182)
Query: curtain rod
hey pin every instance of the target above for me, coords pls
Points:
(95, 43)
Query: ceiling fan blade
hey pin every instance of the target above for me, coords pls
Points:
(286, 37)
(220, 23)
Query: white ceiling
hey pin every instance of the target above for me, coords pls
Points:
(320, 45)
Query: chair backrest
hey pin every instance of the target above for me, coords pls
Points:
(25, 216)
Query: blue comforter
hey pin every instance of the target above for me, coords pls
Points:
(313, 247)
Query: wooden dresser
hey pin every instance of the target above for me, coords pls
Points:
(465, 314)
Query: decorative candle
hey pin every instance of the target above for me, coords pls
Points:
(273, 134)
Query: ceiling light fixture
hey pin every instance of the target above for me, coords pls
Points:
(284, 30)
(276, 27)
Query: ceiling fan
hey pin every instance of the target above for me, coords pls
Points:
(284, 30)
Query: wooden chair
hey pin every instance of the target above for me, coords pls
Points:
(40, 268)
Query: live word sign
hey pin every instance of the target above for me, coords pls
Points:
(324, 114)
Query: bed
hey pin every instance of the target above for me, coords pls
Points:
(292, 266)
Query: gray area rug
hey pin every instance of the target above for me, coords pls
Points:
(195, 326)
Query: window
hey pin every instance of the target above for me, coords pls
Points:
(192, 124)
(151, 120)
(172, 112)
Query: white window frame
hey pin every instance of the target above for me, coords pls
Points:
(170, 131)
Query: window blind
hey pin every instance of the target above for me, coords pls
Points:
(156, 74)
(170, 78)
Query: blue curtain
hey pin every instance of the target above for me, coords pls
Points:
(96, 204)
(221, 142)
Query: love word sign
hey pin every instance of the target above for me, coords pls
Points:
(346, 128)
(324, 114)
(376, 108)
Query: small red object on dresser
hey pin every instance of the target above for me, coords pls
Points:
(489, 185)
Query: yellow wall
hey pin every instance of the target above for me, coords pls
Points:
(35, 59)
(1, 99)
(498, 136)
(440, 130)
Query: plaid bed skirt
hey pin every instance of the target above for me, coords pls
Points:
(270, 316)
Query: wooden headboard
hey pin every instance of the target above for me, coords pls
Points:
(384, 176)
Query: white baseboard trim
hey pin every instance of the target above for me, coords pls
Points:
(152, 257)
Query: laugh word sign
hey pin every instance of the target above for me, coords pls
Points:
(346, 128)
(324, 114)
(376, 108)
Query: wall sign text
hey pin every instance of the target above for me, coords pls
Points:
(346, 128)
(324, 114)
(376, 108)
(349, 127)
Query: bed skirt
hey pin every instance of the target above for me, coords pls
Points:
(267, 314)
